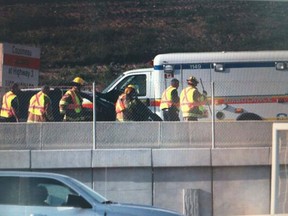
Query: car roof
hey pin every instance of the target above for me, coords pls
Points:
(32, 174)
(52, 89)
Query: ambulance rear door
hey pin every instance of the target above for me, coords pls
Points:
(254, 87)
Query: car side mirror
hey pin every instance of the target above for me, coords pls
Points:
(77, 201)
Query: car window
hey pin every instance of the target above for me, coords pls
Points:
(57, 194)
(9, 190)
(51, 193)
(33, 191)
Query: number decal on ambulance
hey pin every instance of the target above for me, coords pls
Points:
(195, 66)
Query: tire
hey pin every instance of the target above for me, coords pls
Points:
(248, 116)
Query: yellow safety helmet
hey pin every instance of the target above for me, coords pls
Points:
(129, 90)
(78, 80)
(131, 86)
(134, 87)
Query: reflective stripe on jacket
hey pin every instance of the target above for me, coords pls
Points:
(166, 99)
(37, 104)
(189, 107)
(120, 107)
(76, 104)
(40, 108)
(7, 110)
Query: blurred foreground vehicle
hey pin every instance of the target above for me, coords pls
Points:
(36, 193)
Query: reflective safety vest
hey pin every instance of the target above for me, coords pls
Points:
(76, 102)
(6, 110)
(120, 107)
(166, 99)
(188, 104)
(37, 106)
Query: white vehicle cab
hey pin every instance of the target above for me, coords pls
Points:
(249, 85)
(39, 194)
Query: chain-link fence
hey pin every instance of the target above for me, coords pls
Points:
(149, 184)
(225, 105)
(115, 135)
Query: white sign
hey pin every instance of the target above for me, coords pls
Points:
(19, 64)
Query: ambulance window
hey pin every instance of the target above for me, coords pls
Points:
(139, 81)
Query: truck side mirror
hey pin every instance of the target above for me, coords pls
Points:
(147, 102)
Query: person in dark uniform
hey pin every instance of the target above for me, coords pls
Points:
(170, 102)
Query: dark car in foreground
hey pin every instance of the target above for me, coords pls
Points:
(38, 194)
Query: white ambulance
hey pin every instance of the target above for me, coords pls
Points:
(250, 85)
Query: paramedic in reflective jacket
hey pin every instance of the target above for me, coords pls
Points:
(170, 102)
(191, 101)
(10, 105)
(70, 104)
(129, 108)
(40, 107)
(123, 107)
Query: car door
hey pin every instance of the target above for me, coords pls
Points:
(9, 197)
(33, 196)
(49, 197)
(59, 211)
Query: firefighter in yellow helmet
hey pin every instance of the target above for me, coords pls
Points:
(79, 81)
(10, 105)
(123, 104)
(191, 101)
(130, 108)
(70, 104)
(40, 107)
(170, 102)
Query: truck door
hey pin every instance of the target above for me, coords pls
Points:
(142, 82)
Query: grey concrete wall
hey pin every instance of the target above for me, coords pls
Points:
(154, 163)
(230, 181)
(241, 190)
(79, 135)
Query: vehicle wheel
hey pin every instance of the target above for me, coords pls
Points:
(248, 116)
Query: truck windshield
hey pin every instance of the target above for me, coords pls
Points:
(138, 80)
(108, 88)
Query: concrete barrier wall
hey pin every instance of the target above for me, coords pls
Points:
(229, 181)
(134, 163)
(79, 135)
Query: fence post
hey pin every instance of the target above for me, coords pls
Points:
(94, 116)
